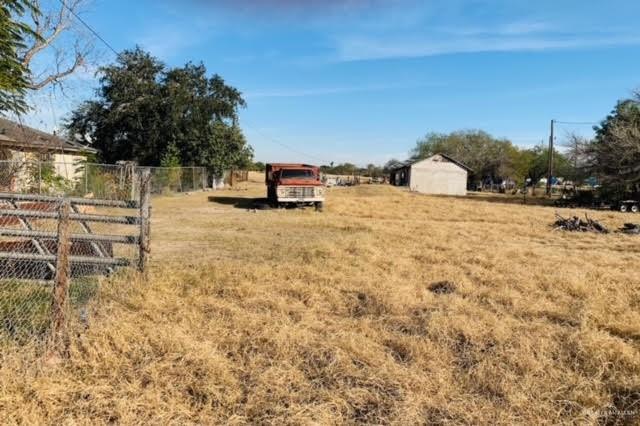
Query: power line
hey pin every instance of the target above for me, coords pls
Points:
(578, 123)
(94, 32)
(290, 148)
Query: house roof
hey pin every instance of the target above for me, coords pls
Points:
(409, 163)
(453, 160)
(18, 136)
(402, 164)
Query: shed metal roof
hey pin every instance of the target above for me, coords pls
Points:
(409, 163)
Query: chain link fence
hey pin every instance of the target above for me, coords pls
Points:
(104, 234)
(105, 181)
(25, 285)
(178, 179)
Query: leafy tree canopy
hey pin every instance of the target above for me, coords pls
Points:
(533, 164)
(490, 158)
(14, 76)
(390, 165)
(153, 115)
(258, 166)
(371, 170)
(614, 154)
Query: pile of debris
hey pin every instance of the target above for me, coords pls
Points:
(631, 228)
(578, 225)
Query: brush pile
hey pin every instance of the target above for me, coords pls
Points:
(631, 228)
(576, 224)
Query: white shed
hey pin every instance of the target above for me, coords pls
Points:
(438, 174)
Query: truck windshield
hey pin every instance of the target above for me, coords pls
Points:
(297, 174)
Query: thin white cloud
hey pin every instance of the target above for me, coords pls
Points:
(518, 28)
(526, 27)
(174, 34)
(324, 91)
(168, 42)
(298, 93)
(356, 49)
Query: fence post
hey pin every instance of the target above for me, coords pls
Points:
(86, 178)
(145, 219)
(130, 172)
(39, 177)
(61, 284)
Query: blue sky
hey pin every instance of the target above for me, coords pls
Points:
(362, 80)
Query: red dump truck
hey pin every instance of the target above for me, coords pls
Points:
(294, 184)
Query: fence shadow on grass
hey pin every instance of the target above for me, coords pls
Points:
(237, 202)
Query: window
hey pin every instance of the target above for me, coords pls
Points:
(297, 174)
(46, 156)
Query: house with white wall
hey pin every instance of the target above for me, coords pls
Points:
(21, 145)
(438, 174)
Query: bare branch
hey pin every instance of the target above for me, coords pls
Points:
(55, 30)
(59, 75)
(55, 23)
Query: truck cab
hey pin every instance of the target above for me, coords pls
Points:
(298, 184)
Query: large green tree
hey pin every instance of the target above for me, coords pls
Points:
(125, 121)
(342, 169)
(202, 119)
(533, 164)
(391, 165)
(14, 75)
(490, 158)
(614, 154)
(146, 113)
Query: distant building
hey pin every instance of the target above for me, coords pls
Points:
(438, 174)
(20, 145)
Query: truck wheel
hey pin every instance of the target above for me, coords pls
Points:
(635, 208)
(623, 208)
(319, 206)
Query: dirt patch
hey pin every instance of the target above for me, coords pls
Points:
(399, 350)
(414, 324)
(373, 402)
(468, 354)
(442, 287)
(363, 304)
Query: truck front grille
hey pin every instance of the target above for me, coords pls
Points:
(300, 192)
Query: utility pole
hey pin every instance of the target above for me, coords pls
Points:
(550, 174)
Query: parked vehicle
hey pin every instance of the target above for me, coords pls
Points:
(632, 206)
(294, 184)
(588, 198)
(592, 198)
(330, 181)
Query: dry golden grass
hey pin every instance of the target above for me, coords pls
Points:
(297, 317)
